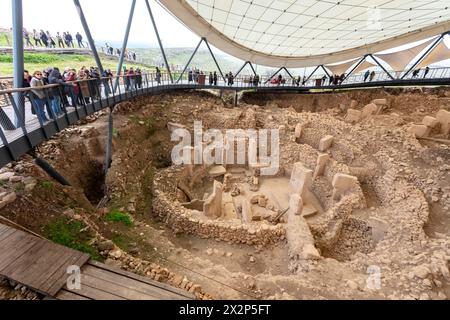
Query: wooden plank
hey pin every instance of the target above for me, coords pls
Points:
(58, 280)
(114, 288)
(6, 234)
(3, 228)
(19, 244)
(52, 259)
(142, 279)
(17, 270)
(94, 293)
(131, 284)
(68, 295)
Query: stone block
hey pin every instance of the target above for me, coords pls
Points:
(322, 161)
(296, 204)
(430, 122)
(353, 116)
(213, 204)
(419, 130)
(325, 143)
(380, 102)
(247, 214)
(443, 117)
(217, 171)
(174, 126)
(369, 111)
(301, 179)
(298, 131)
(343, 183)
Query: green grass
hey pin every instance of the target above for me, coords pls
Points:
(118, 216)
(47, 185)
(40, 61)
(120, 241)
(71, 234)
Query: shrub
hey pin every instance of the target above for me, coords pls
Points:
(117, 216)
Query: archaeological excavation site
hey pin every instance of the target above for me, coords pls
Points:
(345, 195)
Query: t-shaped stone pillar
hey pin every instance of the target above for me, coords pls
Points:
(343, 183)
(213, 204)
(301, 179)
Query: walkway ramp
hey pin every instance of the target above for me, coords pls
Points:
(41, 265)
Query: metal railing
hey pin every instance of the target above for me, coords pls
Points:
(33, 115)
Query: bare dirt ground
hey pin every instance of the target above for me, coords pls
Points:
(406, 183)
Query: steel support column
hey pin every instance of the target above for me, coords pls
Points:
(431, 48)
(356, 66)
(274, 75)
(109, 138)
(253, 69)
(242, 68)
(159, 40)
(190, 59)
(287, 71)
(125, 43)
(317, 68)
(214, 58)
(381, 66)
(325, 70)
(88, 35)
(18, 60)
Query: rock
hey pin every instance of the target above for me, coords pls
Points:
(298, 131)
(252, 260)
(326, 143)
(421, 272)
(353, 116)
(6, 176)
(174, 126)
(352, 285)
(419, 130)
(443, 117)
(217, 171)
(229, 254)
(430, 122)
(262, 202)
(117, 254)
(8, 199)
(106, 245)
(209, 252)
(380, 102)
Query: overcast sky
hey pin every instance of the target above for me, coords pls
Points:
(107, 21)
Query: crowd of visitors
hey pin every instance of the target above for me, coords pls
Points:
(47, 40)
(129, 55)
(70, 92)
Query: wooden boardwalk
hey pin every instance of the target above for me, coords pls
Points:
(42, 266)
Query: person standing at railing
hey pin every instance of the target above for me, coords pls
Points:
(366, 75)
(60, 40)
(51, 42)
(26, 36)
(84, 93)
(38, 95)
(158, 76)
(215, 78)
(44, 38)
(211, 79)
(372, 76)
(71, 91)
(190, 76)
(56, 78)
(427, 70)
(36, 38)
(132, 78)
(79, 38)
(139, 78)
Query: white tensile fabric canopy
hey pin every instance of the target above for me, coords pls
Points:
(302, 33)
(341, 67)
(363, 66)
(440, 53)
(400, 59)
